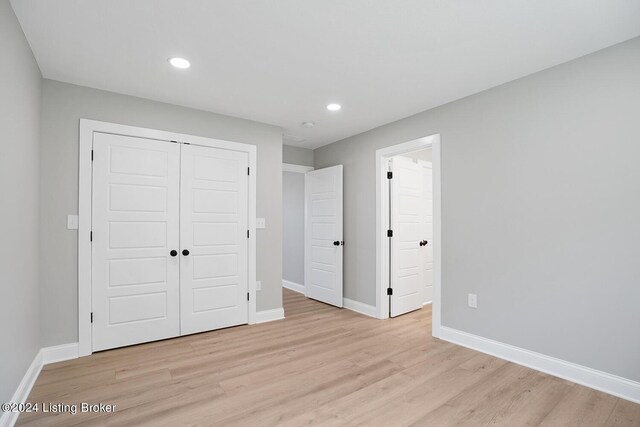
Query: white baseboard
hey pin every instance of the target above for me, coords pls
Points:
(59, 353)
(360, 307)
(8, 419)
(44, 356)
(598, 380)
(296, 287)
(426, 303)
(270, 315)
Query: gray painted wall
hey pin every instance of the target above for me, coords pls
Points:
(540, 205)
(62, 107)
(293, 213)
(293, 227)
(297, 155)
(20, 82)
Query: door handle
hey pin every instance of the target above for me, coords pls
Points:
(173, 252)
(423, 243)
(336, 243)
(185, 252)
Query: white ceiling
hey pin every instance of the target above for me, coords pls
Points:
(282, 61)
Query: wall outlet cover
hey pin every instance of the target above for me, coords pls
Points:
(472, 300)
(261, 223)
(258, 285)
(72, 222)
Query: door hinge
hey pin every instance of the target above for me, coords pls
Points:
(389, 233)
(247, 234)
(92, 155)
(389, 291)
(247, 296)
(389, 175)
(92, 317)
(248, 171)
(91, 236)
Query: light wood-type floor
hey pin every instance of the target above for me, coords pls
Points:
(324, 366)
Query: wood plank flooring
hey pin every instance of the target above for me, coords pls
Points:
(321, 365)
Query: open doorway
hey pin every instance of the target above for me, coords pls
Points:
(293, 229)
(408, 228)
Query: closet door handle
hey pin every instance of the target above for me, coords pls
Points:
(336, 243)
(185, 252)
(173, 252)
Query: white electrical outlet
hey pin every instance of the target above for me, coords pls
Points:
(258, 285)
(472, 300)
(261, 223)
(72, 222)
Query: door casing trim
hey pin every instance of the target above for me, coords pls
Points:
(382, 221)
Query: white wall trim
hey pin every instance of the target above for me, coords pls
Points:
(598, 380)
(289, 167)
(293, 286)
(8, 419)
(382, 221)
(426, 303)
(44, 356)
(59, 353)
(269, 315)
(87, 128)
(360, 307)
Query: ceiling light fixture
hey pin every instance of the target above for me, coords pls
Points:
(334, 107)
(308, 125)
(179, 63)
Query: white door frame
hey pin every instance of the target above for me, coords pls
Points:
(290, 167)
(382, 223)
(87, 128)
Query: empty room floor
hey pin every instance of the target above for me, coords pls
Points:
(321, 365)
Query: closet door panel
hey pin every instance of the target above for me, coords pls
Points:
(213, 238)
(135, 223)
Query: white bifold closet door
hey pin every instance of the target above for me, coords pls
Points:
(169, 239)
(406, 264)
(213, 228)
(135, 224)
(323, 235)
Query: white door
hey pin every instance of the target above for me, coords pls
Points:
(323, 235)
(426, 216)
(135, 223)
(406, 267)
(213, 238)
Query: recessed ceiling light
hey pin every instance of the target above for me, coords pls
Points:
(334, 107)
(179, 63)
(308, 124)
